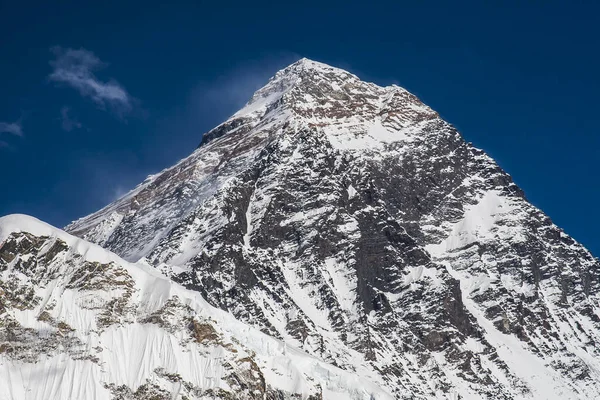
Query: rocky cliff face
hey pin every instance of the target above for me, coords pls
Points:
(350, 221)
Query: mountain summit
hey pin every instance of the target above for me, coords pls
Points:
(349, 222)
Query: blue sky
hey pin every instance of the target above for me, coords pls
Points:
(96, 97)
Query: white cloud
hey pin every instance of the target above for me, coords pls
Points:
(13, 128)
(68, 123)
(76, 68)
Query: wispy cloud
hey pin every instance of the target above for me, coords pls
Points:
(14, 128)
(68, 122)
(10, 129)
(76, 68)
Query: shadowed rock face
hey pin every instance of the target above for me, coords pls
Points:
(350, 220)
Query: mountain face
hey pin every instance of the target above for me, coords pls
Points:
(341, 236)
(78, 322)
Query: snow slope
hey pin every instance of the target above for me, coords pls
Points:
(70, 339)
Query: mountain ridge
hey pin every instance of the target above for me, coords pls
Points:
(160, 355)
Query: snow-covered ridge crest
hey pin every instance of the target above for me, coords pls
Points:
(17, 223)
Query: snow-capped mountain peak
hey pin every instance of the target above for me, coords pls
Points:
(350, 221)
(295, 75)
(318, 94)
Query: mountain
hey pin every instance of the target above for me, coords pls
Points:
(349, 222)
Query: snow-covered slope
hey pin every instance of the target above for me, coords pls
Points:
(349, 220)
(78, 322)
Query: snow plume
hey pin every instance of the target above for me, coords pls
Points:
(214, 99)
(76, 68)
(234, 87)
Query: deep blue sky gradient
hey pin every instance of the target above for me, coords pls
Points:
(518, 79)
